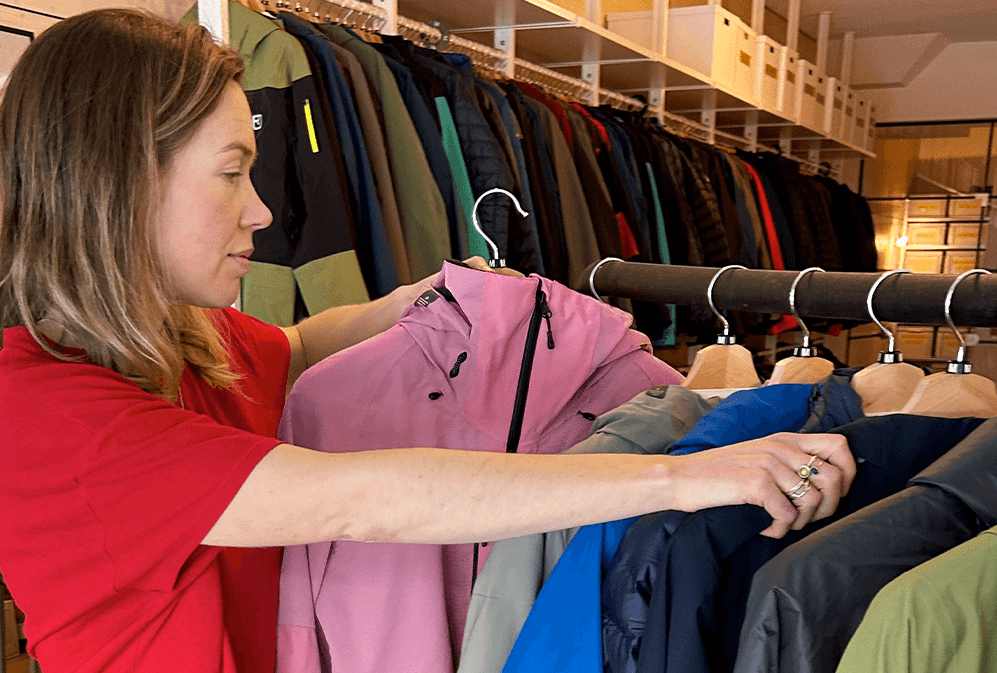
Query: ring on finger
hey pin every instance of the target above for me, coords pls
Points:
(806, 470)
(799, 490)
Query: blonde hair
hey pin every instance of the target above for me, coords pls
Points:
(93, 114)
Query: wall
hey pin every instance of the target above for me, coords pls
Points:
(956, 85)
(37, 15)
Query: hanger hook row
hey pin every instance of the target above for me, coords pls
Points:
(792, 303)
(960, 358)
(725, 338)
(872, 314)
(494, 260)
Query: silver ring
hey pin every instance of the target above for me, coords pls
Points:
(797, 495)
(596, 268)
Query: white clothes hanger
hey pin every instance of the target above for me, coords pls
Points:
(956, 392)
(804, 366)
(725, 364)
(887, 385)
(494, 261)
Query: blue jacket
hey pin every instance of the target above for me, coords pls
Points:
(564, 629)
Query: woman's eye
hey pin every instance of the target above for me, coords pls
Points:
(233, 176)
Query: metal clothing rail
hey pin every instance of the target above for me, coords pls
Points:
(903, 298)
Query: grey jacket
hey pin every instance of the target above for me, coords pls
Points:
(516, 569)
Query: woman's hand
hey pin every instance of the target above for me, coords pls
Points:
(406, 294)
(767, 472)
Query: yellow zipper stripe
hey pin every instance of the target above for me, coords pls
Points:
(311, 126)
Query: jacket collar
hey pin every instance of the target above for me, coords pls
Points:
(247, 29)
(487, 316)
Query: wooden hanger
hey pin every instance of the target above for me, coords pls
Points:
(956, 392)
(886, 386)
(725, 364)
(804, 366)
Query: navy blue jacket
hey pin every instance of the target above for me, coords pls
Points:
(703, 569)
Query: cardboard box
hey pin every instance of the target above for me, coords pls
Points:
(959, 261)
(966, 235)
(927, 208)
(946, 345)
(916, 343)
(920, 261)
(864, 350)
(922, 233)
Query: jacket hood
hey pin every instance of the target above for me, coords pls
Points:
(487, 316)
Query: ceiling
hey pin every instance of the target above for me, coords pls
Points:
(957, 20)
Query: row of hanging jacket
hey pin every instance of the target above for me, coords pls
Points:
(900, 578)
(373, 151)
(698, 592)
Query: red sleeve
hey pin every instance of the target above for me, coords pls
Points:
(157, 478)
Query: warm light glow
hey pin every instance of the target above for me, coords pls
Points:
(902, 241)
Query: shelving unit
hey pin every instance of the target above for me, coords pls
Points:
(576, 46)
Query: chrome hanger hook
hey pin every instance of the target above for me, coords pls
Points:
(596, 268)
(725, 338)
(792, 304)
(494, 260)
(959, 365)
(872, 314)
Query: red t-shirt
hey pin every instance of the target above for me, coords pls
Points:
(106, 494)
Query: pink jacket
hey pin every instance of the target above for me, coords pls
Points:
(444, 376)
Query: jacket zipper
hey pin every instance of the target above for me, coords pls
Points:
(541, 312)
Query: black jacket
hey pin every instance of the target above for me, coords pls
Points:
(807, 602)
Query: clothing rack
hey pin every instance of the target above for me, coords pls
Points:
(357, 14)
(903, 298)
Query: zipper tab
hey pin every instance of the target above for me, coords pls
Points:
(456, 368)
(546, 313)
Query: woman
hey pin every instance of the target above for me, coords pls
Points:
(144, 497)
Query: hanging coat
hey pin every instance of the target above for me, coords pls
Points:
(445, 376)
(309, 248)
(806, 603)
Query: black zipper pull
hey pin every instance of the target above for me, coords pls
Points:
(456, 368)
(546, 313)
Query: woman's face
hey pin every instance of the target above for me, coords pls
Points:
(210, 209)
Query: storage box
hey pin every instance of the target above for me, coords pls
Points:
(922, 233)
(959, 261)
(870, 138)
(706, 39)
(813, 97)
(768, 54)
(834, 108)
(916, 343)
(967, 235)
(789, 93)
(848, 118)
(946, 345)
(635, 26)
(965, 208)
(861, 130)
(864, 350)
(923, 261)
(927, 208)
(746, 64)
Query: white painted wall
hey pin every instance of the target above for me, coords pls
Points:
(43, 13)
(958, 84)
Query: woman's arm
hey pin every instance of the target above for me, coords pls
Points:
(297, 496)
